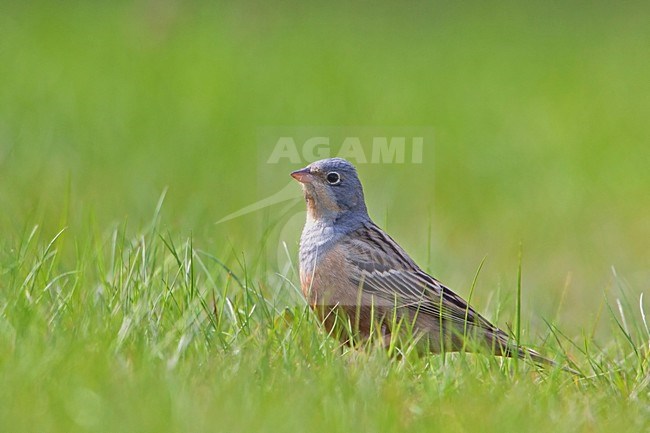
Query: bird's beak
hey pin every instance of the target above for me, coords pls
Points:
(303, 175)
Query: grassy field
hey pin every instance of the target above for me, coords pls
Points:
(129, 130)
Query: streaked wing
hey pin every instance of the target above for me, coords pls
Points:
(383, 269)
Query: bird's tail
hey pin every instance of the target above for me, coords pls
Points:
(537, 358)
(505, 347)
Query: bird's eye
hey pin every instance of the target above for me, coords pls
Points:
(333, 178)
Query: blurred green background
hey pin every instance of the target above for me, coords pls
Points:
(540, 113)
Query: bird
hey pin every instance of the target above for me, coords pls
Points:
(350, 268)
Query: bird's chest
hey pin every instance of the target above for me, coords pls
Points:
(315, 242)
(321, 261)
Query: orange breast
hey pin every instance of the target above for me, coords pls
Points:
(305, 284)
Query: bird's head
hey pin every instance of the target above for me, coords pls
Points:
(332, 189)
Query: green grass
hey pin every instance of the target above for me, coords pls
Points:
(128, 130)
(147, 333)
